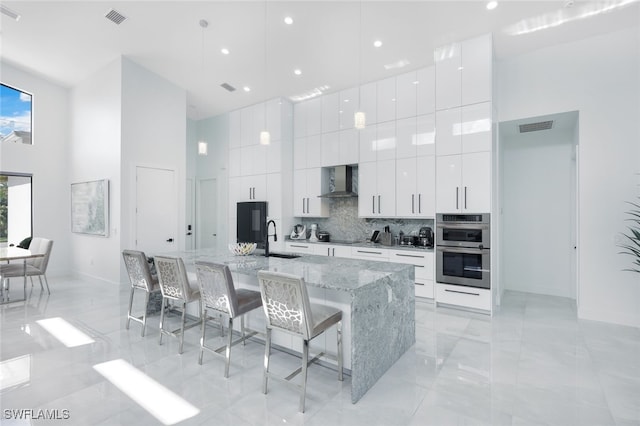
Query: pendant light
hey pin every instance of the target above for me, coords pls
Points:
(203, 146)
(359, 117)
(265, 137)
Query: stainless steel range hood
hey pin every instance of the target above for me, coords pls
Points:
(343, 184)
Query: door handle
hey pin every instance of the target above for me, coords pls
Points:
(378, 204)
(419, 203)
(188, 233)
(457, 205)
(308, 205)
(465, 197)
(413, 203)
(170, 240)
(373, 204)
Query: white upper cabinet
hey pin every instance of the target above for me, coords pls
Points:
(330, 149)
(415, 187)
(386, 100)
(449, 139)
(425, 135)
(386, 141)
(376, 189)
(406, 138)
(448, 79)
(476, 62)
(368, 101)
(314, 148)
(406, 95)
(274, 119)
(349, 146)
(330, 112)
(307, 185)
(306, 152)
(475, 127)
(426, 90)
(463, 183)
(426, 186)
(348, 105)
(368, 137)
(314, 116)
(300, 120)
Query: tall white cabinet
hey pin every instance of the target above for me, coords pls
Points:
(261, 172)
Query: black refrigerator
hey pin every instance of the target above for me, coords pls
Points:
(251, 222)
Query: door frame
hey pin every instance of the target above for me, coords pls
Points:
(133, 198)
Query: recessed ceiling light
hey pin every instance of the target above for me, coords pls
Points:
(246, 88)
(297, 71)
(288, 20)
(224, 51)
(377, 43)
(492, 5)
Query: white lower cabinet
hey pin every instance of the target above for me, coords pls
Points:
(423, 262)
(470, 297)
(373, 253)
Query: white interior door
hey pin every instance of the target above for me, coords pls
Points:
(156, 210)
(207, 213)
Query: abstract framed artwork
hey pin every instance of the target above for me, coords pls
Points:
(90, 207)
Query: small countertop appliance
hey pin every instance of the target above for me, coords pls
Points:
(299, 232)
(324, 237)
(313, 238)
(425, 237)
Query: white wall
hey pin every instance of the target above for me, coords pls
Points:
(599, 77)
(94, 153)
(46, 159)
(537, 221)
(154, 133)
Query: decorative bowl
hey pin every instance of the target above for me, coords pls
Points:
(242, 249)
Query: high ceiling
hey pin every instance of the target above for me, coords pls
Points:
(331, 42)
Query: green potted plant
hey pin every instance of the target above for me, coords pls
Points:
(631, 244)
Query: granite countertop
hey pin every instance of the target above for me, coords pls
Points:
(363, 243)
(333, 273)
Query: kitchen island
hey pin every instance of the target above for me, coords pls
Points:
(377, 300)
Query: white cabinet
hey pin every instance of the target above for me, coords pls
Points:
(464, 129)
(308, 184)
(330, 112)
(464, 72)
(324, 249)
(307, 152)
(406, 95)
(386, 100)
(378, 142)
(340, 148)
(426, 90)
(476, 298)
(376, 181)
(235, 129)
(368, 102)
(314, 116)
(463, 183)
(423, 262)
(476, 60)
(349, 99)
(415, 136)
(448, 80)
(415, 187)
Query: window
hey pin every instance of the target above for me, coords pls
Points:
(16, 109)
(15, 208)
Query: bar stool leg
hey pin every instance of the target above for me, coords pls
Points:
(144, 314)
(129, 310)
(228, 351)
(305, 365)
(340, 361)
(204, 326)
(184, 313)
(267, 353)
(162, 306)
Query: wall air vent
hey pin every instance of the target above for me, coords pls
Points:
(115, 16)
(228, 87)
(534, 127)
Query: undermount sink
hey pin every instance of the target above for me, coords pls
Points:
(284, 255)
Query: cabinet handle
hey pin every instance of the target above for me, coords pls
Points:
(462, 292)
(303, 210)
(308, 205)
(413, 203)
(250, 193)
(373, 204)
(328, 251)
(334, 252)
(419, 283)
(419, 203)
(294, 245)
(410, 255)
(378, 204)
(465, 197)
(370, 252)
(457, 206)
(419, 266)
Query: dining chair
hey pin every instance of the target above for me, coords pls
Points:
(176, 286)
(287, 307)
(220, 295)
(35, 267)
(141, 279)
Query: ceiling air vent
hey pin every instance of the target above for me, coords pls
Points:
(534, 127)
(228, 87)
(115, 16)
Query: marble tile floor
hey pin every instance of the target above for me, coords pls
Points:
(533, 363)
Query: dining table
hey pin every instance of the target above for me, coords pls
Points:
(9, 254)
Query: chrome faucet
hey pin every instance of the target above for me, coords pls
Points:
(266, 240)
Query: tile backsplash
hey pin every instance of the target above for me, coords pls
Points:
(343, 223)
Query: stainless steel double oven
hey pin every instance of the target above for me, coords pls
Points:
(463, 249)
